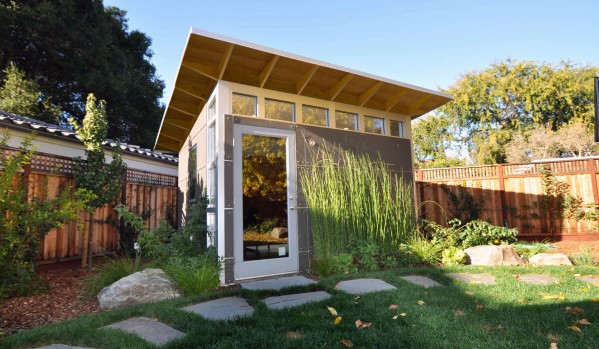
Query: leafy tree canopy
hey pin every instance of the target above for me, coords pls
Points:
(511, 98)
(73, 47)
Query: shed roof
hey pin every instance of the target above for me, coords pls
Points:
(210, 57)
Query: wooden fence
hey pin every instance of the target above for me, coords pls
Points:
(151, 195)
(511, 195)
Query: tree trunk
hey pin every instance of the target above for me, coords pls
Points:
(84, 252)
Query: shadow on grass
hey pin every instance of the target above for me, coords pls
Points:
(510, 314)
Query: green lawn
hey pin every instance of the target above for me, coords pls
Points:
(510, 314)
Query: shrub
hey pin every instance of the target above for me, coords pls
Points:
(194, 275)
(110, 272)
(529, 250)
(453, 256)
(344, 264)
(423, 250)
(479, 232)
(584, 256)
(322, 266)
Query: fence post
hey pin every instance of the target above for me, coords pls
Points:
(593, 175)
(502, 199)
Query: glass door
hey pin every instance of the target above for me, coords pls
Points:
(265, 219)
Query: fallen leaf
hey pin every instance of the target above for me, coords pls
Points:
(458, 312)
(419, 302)
(393, 306)
(332, 310)
(575, 329)
(293, 335)
(584, 322)
(517, 276)
(553, 296)
(554, 337)
(553, 346)
(523, 300)
(577, 275)
(338, 320)
(395, 317)
(403, 314)
(585, 289)
(470, 293)
(575, 310)
(358, 323)
(347, 343)
(479, 307)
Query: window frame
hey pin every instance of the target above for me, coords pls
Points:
(233, 94)
(293, 109)
(192, 174)
(356, 120)
(383, 133)
(401, 130)
(327, 122)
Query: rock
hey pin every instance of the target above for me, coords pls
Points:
(491, 255)
(550, 259)
(149, 285)
(278, 233)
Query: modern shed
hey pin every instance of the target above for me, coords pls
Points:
(243, 117)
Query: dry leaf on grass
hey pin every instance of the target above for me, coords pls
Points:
(393, 306)
(575, 310)
(458, 312)
(360, 324)
(575, 329)
(553, 296)
(338, 320)
(332, 310)
(470, 293)
(583, 322)
(347, 343)
(479, 307)
(420, 302)
(553, 346)
(293, 335)
(395, 317)
(523, 300)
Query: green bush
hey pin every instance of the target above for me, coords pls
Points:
(344, 264)
(110, 272)
(531, 249)
(453, 256)
(479, 232)
(194, 275)
(584, 256)
(424, 250)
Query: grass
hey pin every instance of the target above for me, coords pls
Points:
(459, 315)
(109, 272)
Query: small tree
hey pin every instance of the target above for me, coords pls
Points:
(105, 181)
(25, 220)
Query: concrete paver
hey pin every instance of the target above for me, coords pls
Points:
(537, 279)
(361, 286)
(421, 281)
(277, 283)
(227, 308)
(485, 279)
(294, 300)
(154, 332)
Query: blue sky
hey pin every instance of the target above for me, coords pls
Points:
(424, 43)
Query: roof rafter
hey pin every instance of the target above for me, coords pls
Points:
(365, 97)
(189, 93)
(392, 102)
(183, 111)
(223, 64)
(267, 70)
(413, 108)
(200, 69)
(339, 86)
(303, 82)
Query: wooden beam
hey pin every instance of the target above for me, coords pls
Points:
(184, 124)
(176, 124)
(182, 111)
(201, 69)
(266, 72)
(365, 97)
(303, 82)
(223, 64)
(188, 108)
(189, 92)
(339, 86)
(169, 146)
(413, 108)
(169, 137)
(392, 102)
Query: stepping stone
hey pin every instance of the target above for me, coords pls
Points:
(153, 331)
(592, 279)
(537, 279)
(485, 279)
(277, 283)
(421, 281)
(61, 346)
(361, 286)
(227, 308)
(294, 300)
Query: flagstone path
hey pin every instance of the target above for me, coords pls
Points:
(230, 308)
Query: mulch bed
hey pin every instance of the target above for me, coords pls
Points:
(60, 303)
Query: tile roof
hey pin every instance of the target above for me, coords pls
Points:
(64, 132)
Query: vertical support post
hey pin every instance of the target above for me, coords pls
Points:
(593, 174)
(502, 199)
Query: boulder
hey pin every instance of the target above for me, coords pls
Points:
(550, 259)
(491, 255)
(278, 233)
(149, 285)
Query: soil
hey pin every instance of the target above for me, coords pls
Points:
(62, 302)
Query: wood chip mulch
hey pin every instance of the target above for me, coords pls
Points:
(60, 303)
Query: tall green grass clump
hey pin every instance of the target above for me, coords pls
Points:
(353, 199)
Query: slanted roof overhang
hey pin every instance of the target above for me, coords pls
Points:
(209, 57)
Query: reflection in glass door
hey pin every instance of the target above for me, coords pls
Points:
(265, 216)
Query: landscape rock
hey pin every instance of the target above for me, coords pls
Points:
(491, 255)
(550, 259)
(149, 285)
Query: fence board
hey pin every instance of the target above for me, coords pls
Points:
(513, 195)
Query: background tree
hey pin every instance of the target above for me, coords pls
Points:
(71, 47)
(93, 174)
(24, 97)
(509, 98)
(434, 138)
